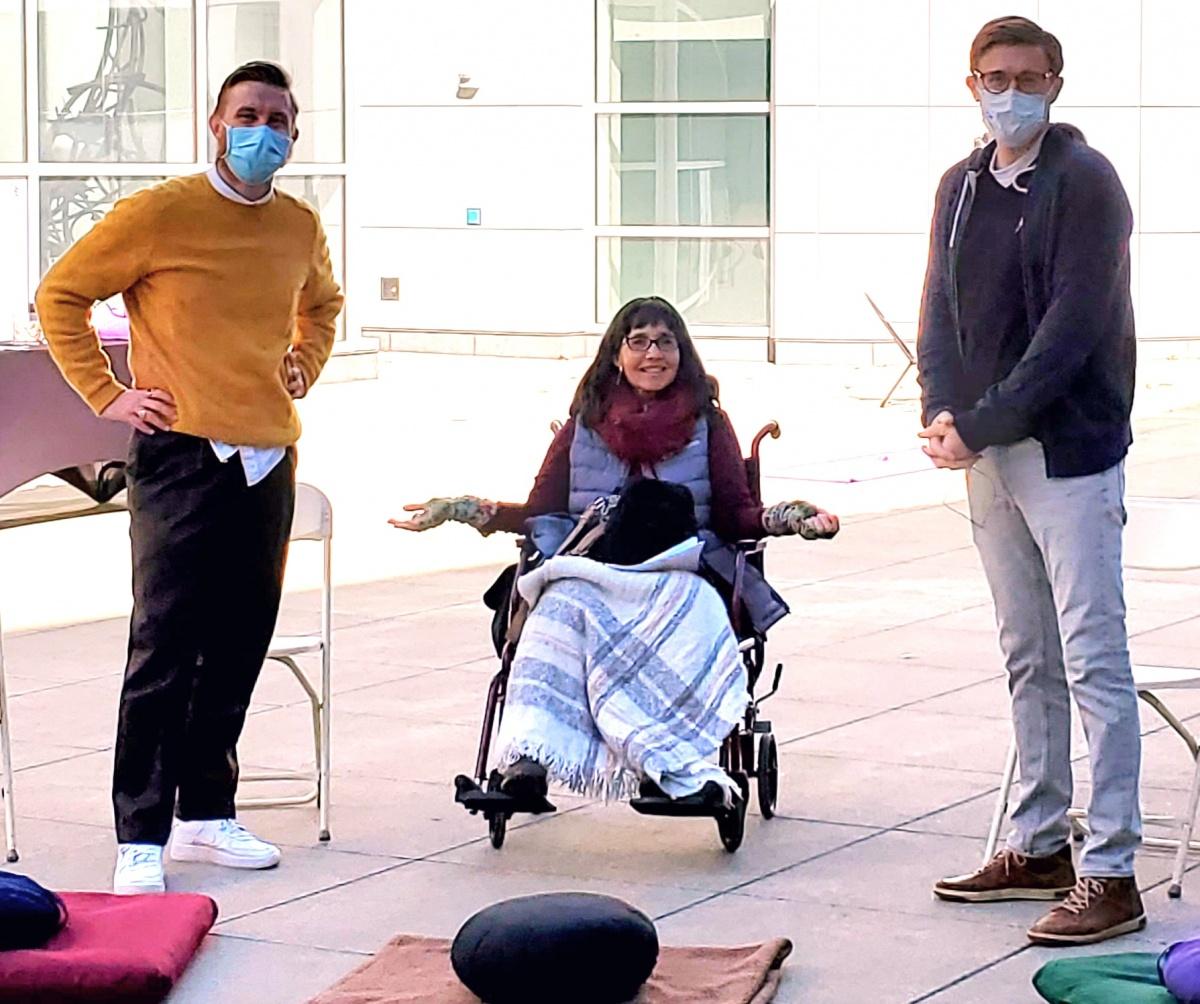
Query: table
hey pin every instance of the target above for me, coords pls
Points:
(44, 425)
(45, 428)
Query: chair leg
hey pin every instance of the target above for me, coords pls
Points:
(895, 387)
(6, 771)
(315, 708)
(1175, 890)
(1001, 809)
(319, 707)
(323, 764)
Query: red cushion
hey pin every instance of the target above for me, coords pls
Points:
(127, 948)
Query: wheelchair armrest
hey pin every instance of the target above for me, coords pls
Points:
(743, 548)
(751, 546)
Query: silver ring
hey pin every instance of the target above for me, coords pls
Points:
(141, 413)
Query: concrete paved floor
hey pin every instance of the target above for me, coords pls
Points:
(892, 720)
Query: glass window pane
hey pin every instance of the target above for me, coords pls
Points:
(70, 206)
(304, 37)
(12, 85)
(115, 81)
(326, 194)
(684, 50)
(682, 170)
(710, 280)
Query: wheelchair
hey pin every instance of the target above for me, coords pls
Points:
(749, 754)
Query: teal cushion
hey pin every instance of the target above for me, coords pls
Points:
(1131, 978)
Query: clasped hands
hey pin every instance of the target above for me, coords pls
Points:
(944, 446)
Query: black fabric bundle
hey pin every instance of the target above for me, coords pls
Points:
(29, 915)
(650, 517)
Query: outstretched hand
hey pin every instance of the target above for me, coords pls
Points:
(467, 509)
(820, 526)
(429, 514)
(802, 518)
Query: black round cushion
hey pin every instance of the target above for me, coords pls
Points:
(556, 947)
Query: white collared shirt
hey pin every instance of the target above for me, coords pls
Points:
(257, 461)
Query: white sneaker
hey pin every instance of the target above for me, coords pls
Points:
(139, 869)
(221, 842)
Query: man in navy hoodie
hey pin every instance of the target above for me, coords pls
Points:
(1026, 357)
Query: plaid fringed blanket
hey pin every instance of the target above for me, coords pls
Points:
(623, 672)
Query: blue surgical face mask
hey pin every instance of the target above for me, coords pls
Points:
(255, 153)
(1014, 118)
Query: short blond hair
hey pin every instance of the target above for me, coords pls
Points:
(1016, 31)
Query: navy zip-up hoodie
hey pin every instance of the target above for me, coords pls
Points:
(1072, 388)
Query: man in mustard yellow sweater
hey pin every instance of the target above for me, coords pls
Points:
(232, 306)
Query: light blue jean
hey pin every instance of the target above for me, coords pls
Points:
(1051, 550)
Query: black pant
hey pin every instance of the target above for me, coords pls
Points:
(208, 559)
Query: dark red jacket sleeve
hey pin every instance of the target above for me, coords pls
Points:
(550, 490)
(735, 514)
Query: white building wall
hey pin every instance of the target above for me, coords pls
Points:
(521, 151)
(870, 109)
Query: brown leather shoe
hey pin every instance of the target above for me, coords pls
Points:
(1097, 909)
(1012, 875)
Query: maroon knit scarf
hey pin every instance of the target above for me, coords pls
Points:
(644, 430)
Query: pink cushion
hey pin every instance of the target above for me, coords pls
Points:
(127, 948)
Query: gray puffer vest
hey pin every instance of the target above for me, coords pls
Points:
(595, 471)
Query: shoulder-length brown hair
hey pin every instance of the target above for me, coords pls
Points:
(591, 396)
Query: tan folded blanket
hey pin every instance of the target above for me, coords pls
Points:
(416, 970)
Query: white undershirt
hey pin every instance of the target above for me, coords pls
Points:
(257, 461)
(1006, 177)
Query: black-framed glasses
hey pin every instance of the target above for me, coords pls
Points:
(641, 343)
(1029, 82)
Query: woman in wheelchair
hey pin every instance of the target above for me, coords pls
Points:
(645, 408)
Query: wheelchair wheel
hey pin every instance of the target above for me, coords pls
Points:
(768, 776)
(731, 824)
(497, 822)
(497, 829)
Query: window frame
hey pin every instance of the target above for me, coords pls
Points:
(20, 7)
(116, 168)
(596, 232)
(33, 171)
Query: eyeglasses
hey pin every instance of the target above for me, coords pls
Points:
(998, 81)
(641, 343)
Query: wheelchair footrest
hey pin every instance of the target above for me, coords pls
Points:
(692, 806)
(473, 798)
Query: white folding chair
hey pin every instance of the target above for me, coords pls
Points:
(900, 343)
(1162, 535)
(313, 520)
